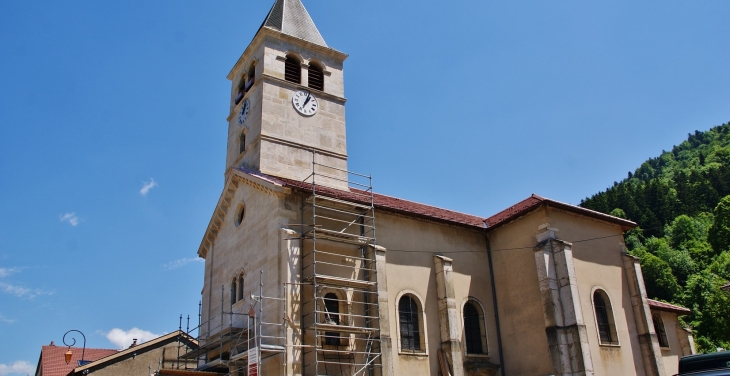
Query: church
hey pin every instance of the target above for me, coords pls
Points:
(309, 271)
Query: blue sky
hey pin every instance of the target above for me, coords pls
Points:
(469, 105)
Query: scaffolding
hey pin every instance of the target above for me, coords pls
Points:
(329, 315)
(218, 337)
(227, 339)
(339, 307)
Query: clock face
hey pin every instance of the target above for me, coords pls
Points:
(243, 114)
(305, 103)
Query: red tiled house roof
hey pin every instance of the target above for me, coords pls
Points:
(661, 306)
(52, 361)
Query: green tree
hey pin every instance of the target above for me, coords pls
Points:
(679, 261)
(719, 233)
(658, 278)
(618, 212)
(710, 307)
(721, 265)
(682, 229)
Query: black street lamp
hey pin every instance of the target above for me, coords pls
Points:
(69, 354)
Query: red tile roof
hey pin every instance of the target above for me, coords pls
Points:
(411, 208)
(380, 201)
(53, 360)
(527, 205)
(655, 304)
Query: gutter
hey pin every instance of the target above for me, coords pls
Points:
(496, 310)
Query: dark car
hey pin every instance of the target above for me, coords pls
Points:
(713, 364)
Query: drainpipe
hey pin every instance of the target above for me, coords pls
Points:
(496, 310)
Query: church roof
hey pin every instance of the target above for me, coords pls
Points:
(411, 208)
(655, 304)
(529, 204)
(393, 204)
(380, 201)
(291, 18)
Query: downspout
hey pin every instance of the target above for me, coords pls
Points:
(496, 310)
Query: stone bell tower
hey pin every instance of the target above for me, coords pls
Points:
(287, 100)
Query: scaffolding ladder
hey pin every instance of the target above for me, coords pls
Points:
(340, 313)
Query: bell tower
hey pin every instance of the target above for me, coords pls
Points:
(287, 100)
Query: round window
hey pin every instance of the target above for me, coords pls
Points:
(240, 212)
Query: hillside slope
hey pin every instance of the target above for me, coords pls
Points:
(681, 201)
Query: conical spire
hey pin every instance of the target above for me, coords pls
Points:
(291, 18)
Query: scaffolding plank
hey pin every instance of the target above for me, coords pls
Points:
(339, 281)
(314, 198)
(337, 236)
(265, 349)
(343, 328)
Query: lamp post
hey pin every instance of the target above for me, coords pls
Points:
(69, 354)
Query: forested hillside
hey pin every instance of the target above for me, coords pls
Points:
(681, 201)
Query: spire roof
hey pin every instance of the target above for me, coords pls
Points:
(291, 18)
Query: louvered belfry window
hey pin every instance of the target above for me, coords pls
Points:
(292, 70)
(410, 330)
(602, 319)
(316, 77)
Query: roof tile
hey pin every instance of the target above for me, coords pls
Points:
(53, 359)
(655, 304)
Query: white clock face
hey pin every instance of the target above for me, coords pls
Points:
(243, 114)
(305, 103)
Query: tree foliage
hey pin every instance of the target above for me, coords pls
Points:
(681, 202)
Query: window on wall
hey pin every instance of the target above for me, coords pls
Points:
(316, 77)
(292, 70)
(332, 317)
(233, 291)
(241, 143)
(604, 318)
(409, 318)
(250, 77)
(240, 287)
(240, 213)
(661, 333)
(474, 330)
(241, 92)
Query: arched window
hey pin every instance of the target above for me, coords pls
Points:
(293, 70)
(240, 287)
(661, 333)
(316, 77)
(409, 318)
(604, 318)
(332, 317)
(233, 291)
(474, 330)
(242, 143)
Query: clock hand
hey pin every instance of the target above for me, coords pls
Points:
(309, 96)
